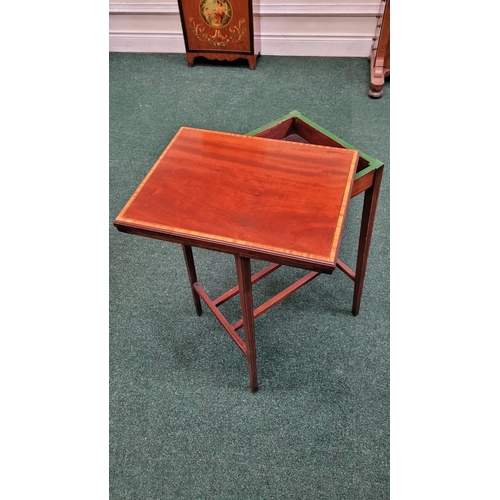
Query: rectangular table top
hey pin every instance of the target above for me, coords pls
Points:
(274, 200)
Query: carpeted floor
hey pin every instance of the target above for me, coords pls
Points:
(183, 422)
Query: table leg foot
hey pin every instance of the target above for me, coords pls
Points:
(245, 286)
(188, 257)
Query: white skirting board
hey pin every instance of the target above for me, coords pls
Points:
(304, 29)
(291, 45)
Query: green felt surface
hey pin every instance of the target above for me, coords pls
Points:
(183, 422)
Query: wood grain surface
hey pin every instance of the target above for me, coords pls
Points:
(272, 197)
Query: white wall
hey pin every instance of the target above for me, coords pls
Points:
(335, 28)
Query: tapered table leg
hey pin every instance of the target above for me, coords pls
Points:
(365, 236)
(245, 285)
(188, 257)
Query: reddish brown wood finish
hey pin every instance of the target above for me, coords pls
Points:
(231, 39)
(188, 257)
(363, 183)
(279, 297)
(285, 202)
(380, 58)
(244, 289)
(242, 250)
(255, 278)
(295, 129)
(346, 269)
(256, 198)
(367, 221)
(222, 320)
(221, 56)
(279, 131)
(243, 271)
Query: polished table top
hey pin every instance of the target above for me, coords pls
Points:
(273, 200)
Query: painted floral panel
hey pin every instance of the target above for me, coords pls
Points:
(216, 13)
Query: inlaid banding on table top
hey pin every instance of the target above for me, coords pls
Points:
(262, 194)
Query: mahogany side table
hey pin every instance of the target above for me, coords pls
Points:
(256, 198)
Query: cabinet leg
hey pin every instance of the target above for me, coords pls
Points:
(190, 59)
(252, 62)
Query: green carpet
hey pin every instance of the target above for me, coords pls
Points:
(183, 422)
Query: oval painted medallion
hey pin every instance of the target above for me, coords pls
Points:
(216, 13)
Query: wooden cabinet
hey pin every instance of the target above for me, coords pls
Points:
(380, 53)
(219, 29)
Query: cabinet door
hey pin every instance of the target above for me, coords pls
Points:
(214, 25)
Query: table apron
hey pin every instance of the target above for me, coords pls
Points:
(287, 260)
